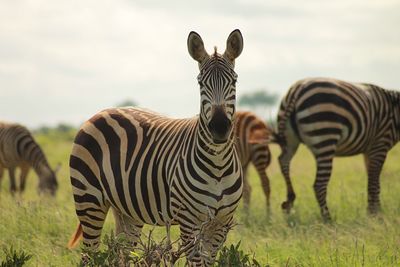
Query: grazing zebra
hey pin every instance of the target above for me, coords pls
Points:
(251, 133)
(155, 170)
(337, 118)
(19, 149)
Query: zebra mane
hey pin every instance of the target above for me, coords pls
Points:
(394, 95)
(215, 51)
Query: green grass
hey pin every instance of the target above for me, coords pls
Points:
(42, 226)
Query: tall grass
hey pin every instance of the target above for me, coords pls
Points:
(41, 226)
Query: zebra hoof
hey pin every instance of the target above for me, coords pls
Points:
(374, 211)
(286, 206)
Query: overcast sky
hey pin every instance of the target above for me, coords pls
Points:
(64, 60)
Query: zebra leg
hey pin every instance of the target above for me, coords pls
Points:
(284, 162)
(218, 239)
(203, 245)
(374, 164)
(1, 175)
(190, 247)
(266, 187)
(13, 186)
(261, 164)
(324, 168)
(126, 225)
(92, 218)
(246, 189)
(24, 173)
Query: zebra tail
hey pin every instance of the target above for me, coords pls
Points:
(76, 237)
(275, 138)
(278, 136)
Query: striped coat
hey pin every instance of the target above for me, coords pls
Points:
(251, 136)
(337, 118)
(18, 149)
(150, 169)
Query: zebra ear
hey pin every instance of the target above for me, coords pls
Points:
(234, 45)
(196, 47)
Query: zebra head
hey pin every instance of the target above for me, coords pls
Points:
(48, 181)
(217, 80)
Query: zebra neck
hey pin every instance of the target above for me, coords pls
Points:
(41, 168)
(205, 145)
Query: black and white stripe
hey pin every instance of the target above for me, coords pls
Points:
(251, 145)
(18, 149)
(337, 118)
(151, 169)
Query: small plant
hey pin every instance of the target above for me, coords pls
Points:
(235, 257)
(117, 253)
(14, 258)
(120, 252)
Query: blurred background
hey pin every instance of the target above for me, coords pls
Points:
(62, 61)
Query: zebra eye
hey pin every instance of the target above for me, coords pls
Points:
(234, 82)
(201, 84)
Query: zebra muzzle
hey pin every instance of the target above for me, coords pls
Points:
(219, 125)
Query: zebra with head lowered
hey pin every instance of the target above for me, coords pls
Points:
(337, 118)
(151, 169)
(252, 135)
(19, 149)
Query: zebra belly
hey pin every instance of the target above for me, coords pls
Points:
(143, 199)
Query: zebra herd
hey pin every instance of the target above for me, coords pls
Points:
(150, 169)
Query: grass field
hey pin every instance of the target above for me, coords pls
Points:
(42, 226)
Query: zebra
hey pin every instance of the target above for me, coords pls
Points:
(337, 118)
(155, 170)
(18, 149)
(252, 135)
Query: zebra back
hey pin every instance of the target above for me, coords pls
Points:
(252, 136)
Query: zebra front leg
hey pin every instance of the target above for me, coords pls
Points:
(203, 245)
(374, 163)
(284, 163)
(1, 175)
(13, 186)
(126, 225)
(246, 194)
(24, 173)
(217, 241)
(324, 168)
(189, 246)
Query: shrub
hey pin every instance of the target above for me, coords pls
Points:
(235, 257)
(14, 258)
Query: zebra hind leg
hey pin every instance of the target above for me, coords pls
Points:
(374, 164)
(261, 163)
(324, 168)
(92, 218)
(284, 163)
(266, 187)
